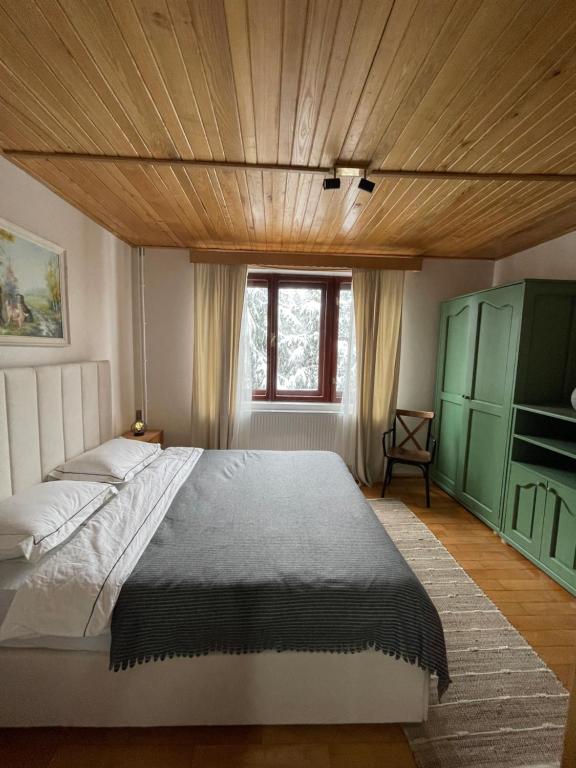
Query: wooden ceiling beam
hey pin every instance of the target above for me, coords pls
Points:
(288, 259)
(552, 178)
(175, 162)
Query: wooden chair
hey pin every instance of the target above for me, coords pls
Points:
(410, 451)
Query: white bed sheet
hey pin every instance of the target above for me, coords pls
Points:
(98, 644)
(72, 593)
(13, 573)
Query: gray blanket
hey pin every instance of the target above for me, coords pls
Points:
(266, 550)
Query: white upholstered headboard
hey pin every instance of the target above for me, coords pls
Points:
(49, 414)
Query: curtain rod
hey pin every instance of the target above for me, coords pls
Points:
(27, 154)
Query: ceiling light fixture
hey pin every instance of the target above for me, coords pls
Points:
(332, 183)
(343, 170)
(367, 186)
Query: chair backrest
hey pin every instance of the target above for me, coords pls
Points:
(406, 420)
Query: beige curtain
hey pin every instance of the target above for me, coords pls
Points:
(377, 313)
(218, 302)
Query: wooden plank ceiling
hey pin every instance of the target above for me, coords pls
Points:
(437, 85)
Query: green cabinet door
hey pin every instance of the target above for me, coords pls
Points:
(525, 506)
(488, 401)
(558, 551)
(454, 348)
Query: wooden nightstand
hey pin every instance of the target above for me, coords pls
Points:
(150, 436)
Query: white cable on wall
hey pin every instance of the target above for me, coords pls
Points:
(142, 334)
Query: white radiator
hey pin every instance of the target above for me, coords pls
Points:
(293, 430)
(300, 431)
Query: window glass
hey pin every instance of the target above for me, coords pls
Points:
(298, 342)
(257, 297)
(344, 329)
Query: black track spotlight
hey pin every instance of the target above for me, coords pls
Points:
(367, 186)
(331, 183)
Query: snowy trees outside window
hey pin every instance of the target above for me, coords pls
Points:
(299, 332)
(298, 338)
(257, 298)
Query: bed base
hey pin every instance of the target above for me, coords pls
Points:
(41, 687)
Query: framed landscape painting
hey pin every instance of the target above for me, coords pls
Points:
(33, 297)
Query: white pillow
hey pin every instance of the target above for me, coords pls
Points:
(36, 520)
(116, 461)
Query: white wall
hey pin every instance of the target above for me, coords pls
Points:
(553, 260)
(168, 306)
(99, 285)
(168, 298)
(423, 291)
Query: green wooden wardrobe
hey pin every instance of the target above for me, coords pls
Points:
(505, 428)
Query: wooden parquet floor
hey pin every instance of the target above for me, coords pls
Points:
(541, 610)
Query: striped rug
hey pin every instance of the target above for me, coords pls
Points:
(505, 707)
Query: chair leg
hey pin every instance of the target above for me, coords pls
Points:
(427, 481)
(387, 476)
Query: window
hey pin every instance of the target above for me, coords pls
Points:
(300, 328)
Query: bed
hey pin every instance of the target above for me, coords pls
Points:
(221, 604)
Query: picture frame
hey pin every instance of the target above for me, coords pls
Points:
(33, 289)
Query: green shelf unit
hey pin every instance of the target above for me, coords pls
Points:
(565, 477)
(563, 447)
(506, 432)
(540, 518)
(540, 511)
(563, 412)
